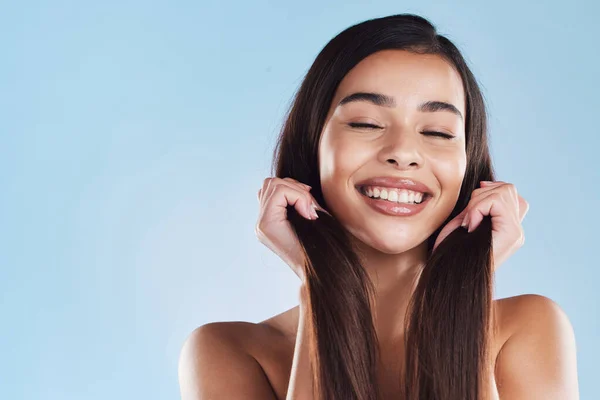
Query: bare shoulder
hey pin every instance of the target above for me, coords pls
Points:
(538, 359)
(215, 362)
(234, 334)
(520, 312)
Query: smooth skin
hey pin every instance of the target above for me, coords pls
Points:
(535, 347)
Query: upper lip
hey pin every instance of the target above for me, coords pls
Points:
(397, 183)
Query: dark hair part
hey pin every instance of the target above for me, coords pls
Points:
(450, 321)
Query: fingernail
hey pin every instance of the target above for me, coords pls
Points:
(314, 212)
(317, 207)
(465, 223)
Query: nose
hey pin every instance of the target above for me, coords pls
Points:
(402, 149)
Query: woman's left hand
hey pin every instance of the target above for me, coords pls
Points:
(501, 201)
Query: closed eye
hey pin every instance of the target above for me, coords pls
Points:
(371, 126)
(361, 125)
(442, 134)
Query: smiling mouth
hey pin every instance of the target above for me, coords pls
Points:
(361, 190)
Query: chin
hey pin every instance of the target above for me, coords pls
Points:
(394, 248)
(390, 244)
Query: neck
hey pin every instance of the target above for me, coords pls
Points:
(394, 277)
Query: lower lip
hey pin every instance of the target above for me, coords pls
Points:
(395, 209)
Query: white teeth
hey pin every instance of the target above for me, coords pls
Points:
(394, 195)
(403, 196)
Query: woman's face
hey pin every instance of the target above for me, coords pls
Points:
(396, 147)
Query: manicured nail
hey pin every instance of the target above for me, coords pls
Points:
(317, 207)
(465, 222)
(314, 212)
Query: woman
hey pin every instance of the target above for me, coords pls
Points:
(389, 129)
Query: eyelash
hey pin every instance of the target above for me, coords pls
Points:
(370, 126)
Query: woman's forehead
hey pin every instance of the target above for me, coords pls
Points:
(408, 78)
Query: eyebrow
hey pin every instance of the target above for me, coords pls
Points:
(383, 100)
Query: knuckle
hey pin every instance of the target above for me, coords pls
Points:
(472, 202)
(295, 181)
(496, 195)
(476, 193)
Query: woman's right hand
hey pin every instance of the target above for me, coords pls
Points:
(273, 228)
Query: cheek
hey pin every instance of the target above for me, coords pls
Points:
(339, 160)
(450, 172)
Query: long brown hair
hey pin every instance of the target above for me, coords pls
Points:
(449, 322)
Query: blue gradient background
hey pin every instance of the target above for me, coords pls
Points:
(135, 135)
